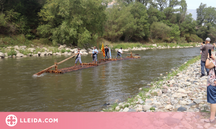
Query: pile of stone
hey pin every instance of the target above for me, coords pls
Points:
(154, 46)
(185, 92)
(44, 51)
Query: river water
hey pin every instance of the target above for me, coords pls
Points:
(83, 90)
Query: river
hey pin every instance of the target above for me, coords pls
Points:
(82, 90)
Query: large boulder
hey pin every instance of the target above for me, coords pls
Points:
(74, 50)
(16, 47)
(154, 45)
(31, 49)
(62, 47)
(22, 47)
(43, 54)
(19, 55)
(83, 50)
(84, 53)
(50, 53)
(2, 55)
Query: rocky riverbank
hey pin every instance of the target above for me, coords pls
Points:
(36, 51)
(185, 92)
(155, 46)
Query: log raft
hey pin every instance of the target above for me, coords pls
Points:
(79, 67)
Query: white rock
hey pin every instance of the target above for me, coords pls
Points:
(19, 55)
(146, 107)
(16, 47)
(117, 108)
(154, 45)
(22, 47)
(139, 108)
(61, 47)
(2, 55)
(183, 102)
(126, 109)
(181, 91)
(169, 107)
(50, 53)
(31, 49)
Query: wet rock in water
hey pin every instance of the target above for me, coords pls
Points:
(182, 109)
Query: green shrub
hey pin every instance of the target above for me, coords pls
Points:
(63, 50)
(11, 52)
(25, 52)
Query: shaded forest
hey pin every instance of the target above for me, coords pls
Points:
(82, 22)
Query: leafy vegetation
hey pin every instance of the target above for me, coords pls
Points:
(83, 22)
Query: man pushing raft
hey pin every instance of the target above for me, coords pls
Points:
(94, 54)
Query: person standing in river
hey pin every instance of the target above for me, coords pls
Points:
(119, 52)
(204, 55)
(106, 52)
(78, 57)
(94, 54)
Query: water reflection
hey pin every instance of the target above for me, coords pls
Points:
(79, 81)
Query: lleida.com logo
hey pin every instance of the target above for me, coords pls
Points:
(11, 120)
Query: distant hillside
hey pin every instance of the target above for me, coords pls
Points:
(193, 12)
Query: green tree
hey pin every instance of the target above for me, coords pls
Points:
(76, 22)
(160, 30)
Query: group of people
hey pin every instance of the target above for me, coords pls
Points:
(95, 53)
(208, 62)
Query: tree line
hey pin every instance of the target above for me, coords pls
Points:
(82, 22)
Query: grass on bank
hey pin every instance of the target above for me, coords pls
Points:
(156, 84)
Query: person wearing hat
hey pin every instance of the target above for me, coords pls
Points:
(78, 57)
(94, 54)
(119, 52)
(204, 56)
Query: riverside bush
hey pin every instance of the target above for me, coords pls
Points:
(11, 52)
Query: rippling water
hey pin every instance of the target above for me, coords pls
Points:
(83, 90)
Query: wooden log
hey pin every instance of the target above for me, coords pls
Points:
(39, 73)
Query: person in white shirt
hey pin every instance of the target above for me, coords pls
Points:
(78, 57)
(94, 54)
(119, 52)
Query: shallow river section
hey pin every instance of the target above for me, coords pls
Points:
(82, 90)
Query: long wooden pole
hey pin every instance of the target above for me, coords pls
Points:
(39, 73)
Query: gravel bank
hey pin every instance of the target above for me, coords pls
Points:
(184, 92)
